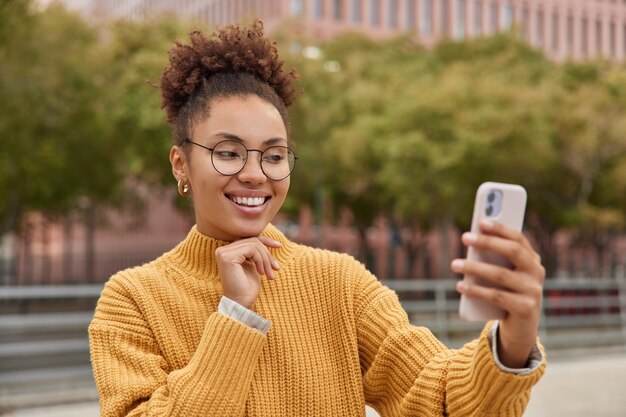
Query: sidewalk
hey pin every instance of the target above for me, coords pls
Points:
(573, 387)
(581, 387)
(71, 410)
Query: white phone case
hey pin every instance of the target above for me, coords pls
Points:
(503, 203)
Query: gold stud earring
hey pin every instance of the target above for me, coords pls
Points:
(183, 188)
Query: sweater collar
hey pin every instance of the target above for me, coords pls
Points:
(197, 252)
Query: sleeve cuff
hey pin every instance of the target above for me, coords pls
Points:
(238, 312)
(534, 360)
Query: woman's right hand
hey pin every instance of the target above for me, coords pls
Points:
(240, 265)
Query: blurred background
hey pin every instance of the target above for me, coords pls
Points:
(406, 107)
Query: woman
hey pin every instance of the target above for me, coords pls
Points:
(239, 321)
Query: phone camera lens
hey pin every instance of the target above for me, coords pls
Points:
(489, 210)
(491, 197)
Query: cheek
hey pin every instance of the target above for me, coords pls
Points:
(283, 187)
(209, 184)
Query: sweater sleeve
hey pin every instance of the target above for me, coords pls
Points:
(408, 372)
(133, 378)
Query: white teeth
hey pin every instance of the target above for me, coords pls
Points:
(248, 201)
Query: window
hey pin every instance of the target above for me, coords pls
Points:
(356, 14)
(624, 38)
(584, 34)
(478, 17)
(445, 17)
(297, 8)
(410, 14)
(612, 40)
(507, 16)
(540, 29)
(337, 9)
(459, 24)
(318, 9)
(493, 17)
(525, 23)
(555, 33)
(570, 34)
(598, 37)
(426, 18)
(392, 13)
(374, 12)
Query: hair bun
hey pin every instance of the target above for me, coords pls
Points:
(229, 50)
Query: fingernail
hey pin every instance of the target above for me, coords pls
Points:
(458, 265)
(275, 264)
(461, 286)
(487, 224)
(277, 243)
(470, 237)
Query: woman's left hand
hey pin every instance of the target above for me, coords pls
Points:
(521, 289)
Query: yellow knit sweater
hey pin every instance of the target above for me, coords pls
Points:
(339, 339)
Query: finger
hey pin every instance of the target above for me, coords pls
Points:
(269, 263)
(270, 242)
(512, 303)
(260, 262)
(252, 250)
(496, 228)
(274, 244)
(503, 277)
(520, 256)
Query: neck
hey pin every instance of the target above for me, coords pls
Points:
(196, 254)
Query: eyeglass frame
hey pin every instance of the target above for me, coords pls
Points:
(295, 158)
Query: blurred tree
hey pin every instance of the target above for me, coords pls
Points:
(80, 123)
(135, 53)
(590, 133)
(413, 132)
(56, 145)
(381, 127)
(343, 89)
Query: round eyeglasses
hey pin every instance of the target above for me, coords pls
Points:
(229, 157)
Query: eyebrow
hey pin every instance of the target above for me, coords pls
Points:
(268, 142)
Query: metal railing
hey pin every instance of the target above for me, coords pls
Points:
(576, 313)
(43, 329)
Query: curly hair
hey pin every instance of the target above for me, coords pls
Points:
(233, 62)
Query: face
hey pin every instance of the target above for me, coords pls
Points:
(241, 205)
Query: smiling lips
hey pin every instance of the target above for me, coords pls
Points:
(248, 201)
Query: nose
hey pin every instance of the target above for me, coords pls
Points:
(252, 172)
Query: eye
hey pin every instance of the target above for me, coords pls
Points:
(228, 151)
(226, 154)
(275, 155)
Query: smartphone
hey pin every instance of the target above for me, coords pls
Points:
(503, 203)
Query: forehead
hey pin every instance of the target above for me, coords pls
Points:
(250, 118)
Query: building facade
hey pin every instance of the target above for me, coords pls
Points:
(563, 29)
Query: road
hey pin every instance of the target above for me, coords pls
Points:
(579, 386)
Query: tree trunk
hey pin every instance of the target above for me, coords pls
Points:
(365, 252)
(444, 249)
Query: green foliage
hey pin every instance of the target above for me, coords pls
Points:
(135, 54)
(381, 126)
(80, 121)
(54, 146)
(412, 133)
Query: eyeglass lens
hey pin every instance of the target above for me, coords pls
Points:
(229, 157)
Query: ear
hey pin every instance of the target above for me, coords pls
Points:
(178, 159)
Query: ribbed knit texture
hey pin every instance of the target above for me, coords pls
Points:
(338, 339)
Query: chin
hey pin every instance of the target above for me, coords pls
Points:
(245, 231)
